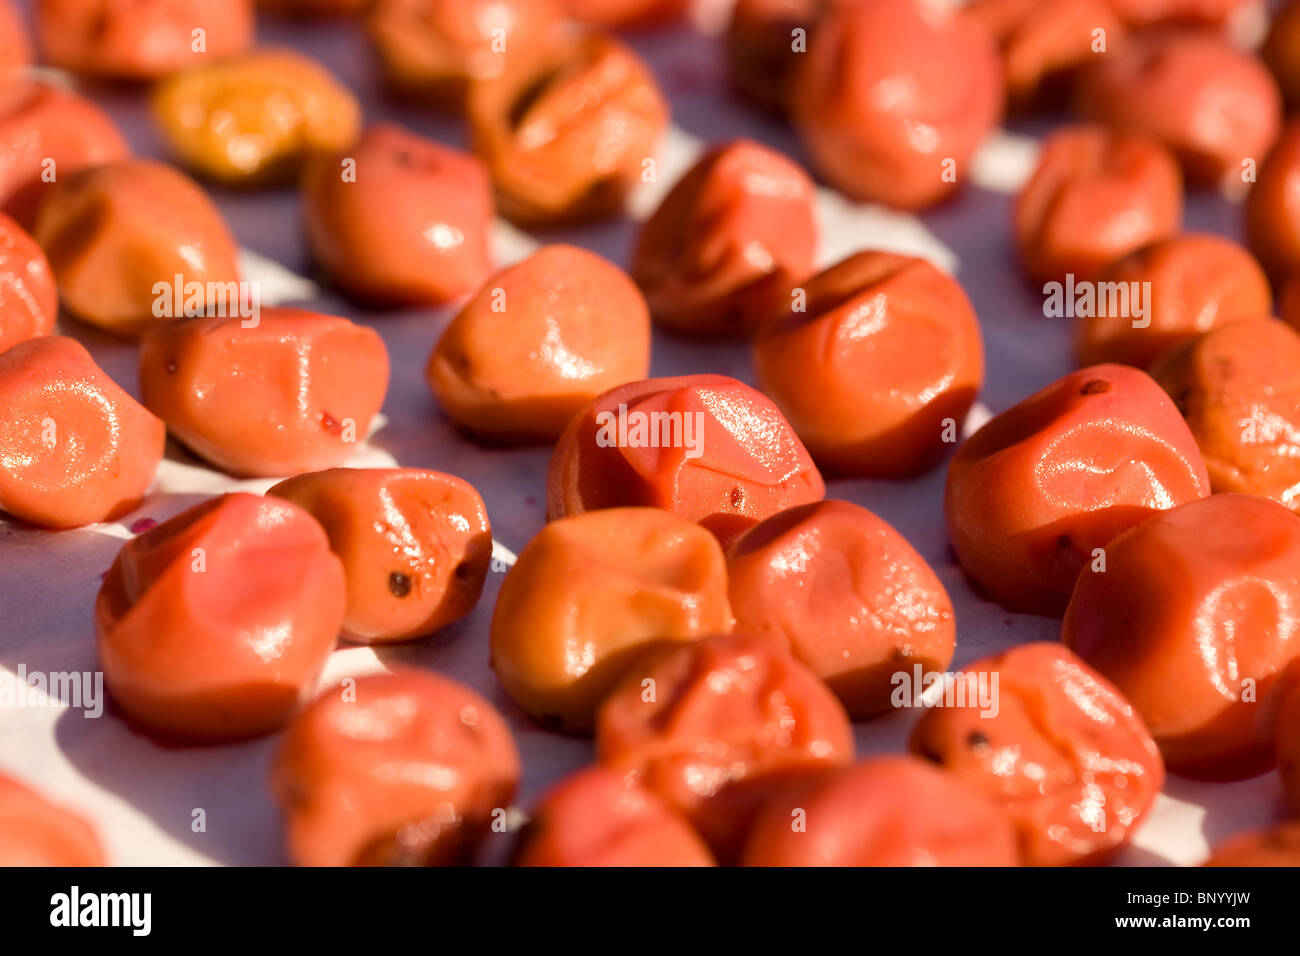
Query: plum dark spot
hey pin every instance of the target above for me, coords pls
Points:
(399, 584)
(1064, 542)
(977, 740)
(463, 571)
(1098, 386)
